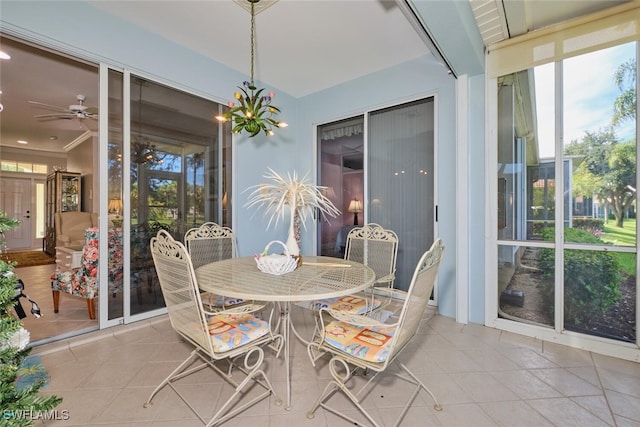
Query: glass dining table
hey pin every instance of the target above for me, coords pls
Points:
(317, 278)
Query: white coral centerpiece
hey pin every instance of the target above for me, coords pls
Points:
(293, 195)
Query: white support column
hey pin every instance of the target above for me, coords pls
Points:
(462, 199)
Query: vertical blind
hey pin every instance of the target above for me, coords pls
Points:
(401, 179)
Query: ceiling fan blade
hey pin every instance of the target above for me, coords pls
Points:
(91, 110)
(54, 116)
(49, 106)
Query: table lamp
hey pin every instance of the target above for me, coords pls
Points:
(115, 205)
(355, 206)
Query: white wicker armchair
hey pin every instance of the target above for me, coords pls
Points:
(358, 342)
(231, 335)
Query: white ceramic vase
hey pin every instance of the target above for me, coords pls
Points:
(292, 243)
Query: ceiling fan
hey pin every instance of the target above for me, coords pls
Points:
(75, 111)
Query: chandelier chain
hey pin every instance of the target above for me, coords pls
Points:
(253, 29)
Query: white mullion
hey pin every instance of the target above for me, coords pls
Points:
(558, 313)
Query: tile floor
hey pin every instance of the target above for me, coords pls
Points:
(73, 315)
(483, 377)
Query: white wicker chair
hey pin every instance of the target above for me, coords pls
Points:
(373, 246)
(209, 243)
(361, 342)
(229, 335)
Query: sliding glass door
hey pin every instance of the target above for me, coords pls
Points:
(401, 179)
(169, 168)
(388, 180)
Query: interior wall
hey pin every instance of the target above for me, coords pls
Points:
(52, 160)
(106, 38)
(412, 80)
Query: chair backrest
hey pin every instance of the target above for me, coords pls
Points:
(87, 274)
(373, 246)
(417, 296)
(180, 289)
(72, 225)
(210, 242)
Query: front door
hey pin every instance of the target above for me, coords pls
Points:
(15, 201)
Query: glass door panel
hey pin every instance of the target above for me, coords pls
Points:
(576, 212)
(401, 179)
(115, 295)
(341, 154)
(521, 269)
(600, 192)
(180, 169)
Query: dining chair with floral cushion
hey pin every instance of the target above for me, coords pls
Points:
(363, 343)
(221, 340)
(211, 242)
(377, 248)
(83, 281)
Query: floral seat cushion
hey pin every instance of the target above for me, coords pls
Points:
(366, 343)
(213, 300)
(228, 331)
(352, 304)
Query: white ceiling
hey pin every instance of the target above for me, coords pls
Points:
(322, 44)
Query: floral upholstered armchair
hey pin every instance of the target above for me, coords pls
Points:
(83, 281)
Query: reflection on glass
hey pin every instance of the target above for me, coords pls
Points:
(600, 146)
(526, 173)
(525, 285)
(177, 176)
(595, 131)
(115, 301)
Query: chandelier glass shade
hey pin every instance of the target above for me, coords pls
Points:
(254, 112)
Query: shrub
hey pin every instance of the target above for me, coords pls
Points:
(588, 224)
(591, 278)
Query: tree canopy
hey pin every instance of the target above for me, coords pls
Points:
(624, 107)
(608, 170)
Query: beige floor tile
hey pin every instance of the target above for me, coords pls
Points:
(565, 412)
(452, 361)
(597, 405)
(105, 377)
(482, 387)
(464, 414)
(566, 383)
(525, 384)
(624, 405)
(515, 413)
(620, 382)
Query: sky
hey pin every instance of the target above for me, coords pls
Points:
(589, 94)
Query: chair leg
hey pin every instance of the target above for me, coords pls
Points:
(339, 383)
(92, 308)
(56, 300)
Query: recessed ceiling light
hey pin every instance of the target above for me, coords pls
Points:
(53, 138)
(22, 141)
(4, 55)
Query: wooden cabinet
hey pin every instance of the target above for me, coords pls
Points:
(68, 258)
(62, 195)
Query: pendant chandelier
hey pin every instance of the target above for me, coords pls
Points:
(142, 150)
(254, 112)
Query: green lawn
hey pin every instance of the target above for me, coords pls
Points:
(625, 236)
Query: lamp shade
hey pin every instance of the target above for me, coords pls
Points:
(355, 206)
(115, 205)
